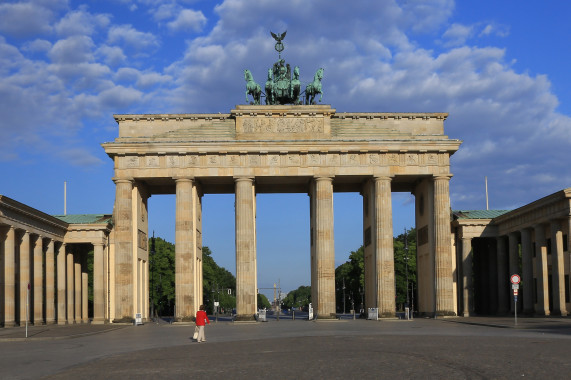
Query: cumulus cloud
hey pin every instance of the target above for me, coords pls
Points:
(188, 20)
(81, 22)
(130, 38)
(25, 19)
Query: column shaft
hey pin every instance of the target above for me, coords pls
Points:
(184, 248)
(10, 278)
(77, 287)
(558, 269)
(527, 271)
(542, 306)
(324, 249)
(70, 289)
(467, 275)
(61, 282)
(503, 282)
(246, 292)
(443, 257)
(50, 284)
(124, 297)
(384, 247)
(98, 284)
(24, 276)
(38, 288)
(84, 296)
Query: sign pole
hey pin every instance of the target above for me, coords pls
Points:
(515, 279)
(27, 306)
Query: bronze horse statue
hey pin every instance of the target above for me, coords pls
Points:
(252, 88)
(314, 88)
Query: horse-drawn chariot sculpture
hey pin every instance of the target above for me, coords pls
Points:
(283, 87)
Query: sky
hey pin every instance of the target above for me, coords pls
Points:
(499, 68)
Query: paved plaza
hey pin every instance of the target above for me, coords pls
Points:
(454, 348)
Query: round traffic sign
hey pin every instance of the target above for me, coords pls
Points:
(515, 279)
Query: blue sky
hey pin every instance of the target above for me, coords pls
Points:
(500, 68)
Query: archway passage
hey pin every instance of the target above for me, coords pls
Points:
(269, 149)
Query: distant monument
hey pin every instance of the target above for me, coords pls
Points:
(281, 87)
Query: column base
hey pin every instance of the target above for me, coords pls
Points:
(128, 320)
(10, 324)
(245, 317)
(387, 314)
(326, 316)
(51, 322)
(445, 313)
(98, 321)
(62, 323)
(185, 319)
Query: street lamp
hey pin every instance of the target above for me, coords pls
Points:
(406, 264)
(343, 295)
(152, 258)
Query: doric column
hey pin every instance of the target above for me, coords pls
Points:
(513, 264)
(467, 273)
(77, 287)
(558, 269)
(443, 256)
(24, 275)
(61, 282)
(70, 288)
(323, 297)
(10, 278)
(527, 271)
(124, 297)
(246, 289)
(50, 284)
(383, 224)
(98, 284)
(184, 247)
(84, 295)
(542, 306)
(38, 288)
(503, 282)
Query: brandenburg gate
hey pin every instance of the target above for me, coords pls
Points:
(279, 149)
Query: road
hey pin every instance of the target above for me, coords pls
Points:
(458, 348)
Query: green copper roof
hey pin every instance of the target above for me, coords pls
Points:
(478, 214)
(85, 218)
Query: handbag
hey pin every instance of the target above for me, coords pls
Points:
(195, 335)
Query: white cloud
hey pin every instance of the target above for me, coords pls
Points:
(131, 39)
(74, 49)
(188, 20)
(81, 22)
(457, 34)
(111, 55)
(24, 19)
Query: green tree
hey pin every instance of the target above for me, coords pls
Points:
(218, 283)
(263, 302)
(301, 297)
(162, 279)
(350, 275)
(403, 258)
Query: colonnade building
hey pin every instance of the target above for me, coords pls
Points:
(43, 266)
(463, 258)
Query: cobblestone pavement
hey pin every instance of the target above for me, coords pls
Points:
(451, 348)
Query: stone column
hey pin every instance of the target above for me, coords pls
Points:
(542, 306)
(558, 269)
(124, 297)
(61, 282)
(383, 223)
(467, 273)
(98, 284)
(246, 291)
(324, 266)
(184, 247)
(24, 275)
(503, 282)
(38, 287)
(84, 291)
(513, 265)
(527, 271)
(442, 249)
(50, 284)
(70, 289)
(10, 278)
(77, 287)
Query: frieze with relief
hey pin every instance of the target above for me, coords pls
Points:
(282, 125)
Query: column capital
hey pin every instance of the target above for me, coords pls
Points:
(441, 177)
(383, 177)
(243, 179)
(184, 179)
(324, 178)
(123, 180)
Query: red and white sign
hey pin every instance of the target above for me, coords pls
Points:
(515, 279)
(515, 292)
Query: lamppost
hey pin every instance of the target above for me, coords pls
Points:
(343, 295)
(152, 259)
(406, 264)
